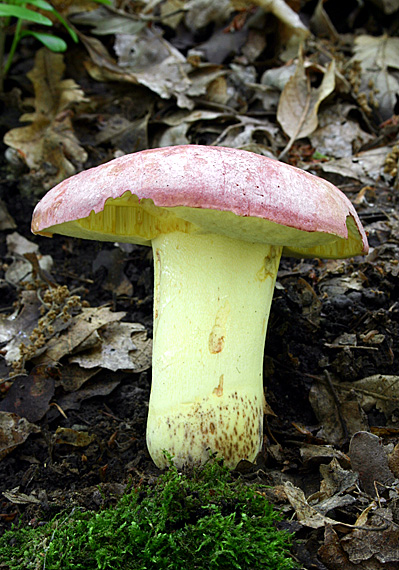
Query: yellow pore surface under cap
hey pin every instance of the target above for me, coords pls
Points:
(128, 219)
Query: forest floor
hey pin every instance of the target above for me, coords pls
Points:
(331, 369)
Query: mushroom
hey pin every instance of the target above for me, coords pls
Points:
(218, 220)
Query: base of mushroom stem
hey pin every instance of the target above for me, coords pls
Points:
(232, 428)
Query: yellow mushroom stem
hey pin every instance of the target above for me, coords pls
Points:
(212, 297)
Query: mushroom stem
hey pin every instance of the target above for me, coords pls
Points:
(212, 297)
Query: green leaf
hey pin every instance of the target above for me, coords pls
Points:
(42, 4)
(53, 43)
(24, 14)
(105, 2)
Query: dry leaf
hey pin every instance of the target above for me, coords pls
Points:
(200, 13)
(378, 57)
(337, 135)
(80, 328)
(327, 413)
(370, 461)
(14, 430)
(382, 545)
(146, 59)
(69, 436)
(18, 498)
(72, 400)
(299, 102)
(72, 376)
(285, 14)
(172, 12)
(123, 346)
(379, 390)
(336, 480)
(17, 327)
(49, 138)
(19, 245)
(318, 454)
(365, 167)
(125, 135)
(387, 6)
(321, 23)
(21, 270)
(68, 7)
(106, 20)
(29, 396)
(332, 554)
(306, 515)
(155, 63)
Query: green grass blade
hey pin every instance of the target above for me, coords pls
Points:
(53, 43)
(24, 14)
(42, 4)
(70, 31)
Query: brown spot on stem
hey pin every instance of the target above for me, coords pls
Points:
(218, 391)
(218, 333)
(216, 342)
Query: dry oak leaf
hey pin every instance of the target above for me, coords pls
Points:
(299, 102)
(378, 57)
(49, 138)
(79, 330)
(145, 58)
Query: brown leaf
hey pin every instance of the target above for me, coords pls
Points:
(370, 546)
(72, 376)
(285, 14)
(124, 346)
(378, 57)
(82, 326)
(332, 553)
(73, 437)
(299, 102)
(14, 430)
(328, 413)
(17, 327)
(73, 400)
(305, 513)
(29, 396)
(146, 59)
(369, 459)
(393, 460)
(50, 137)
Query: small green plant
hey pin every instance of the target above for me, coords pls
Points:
(205, 521)
(14, 14)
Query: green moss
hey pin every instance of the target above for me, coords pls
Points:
(203, 521)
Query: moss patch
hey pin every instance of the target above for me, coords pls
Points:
(202, 521)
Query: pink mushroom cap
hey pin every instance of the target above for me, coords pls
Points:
(259, 195)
